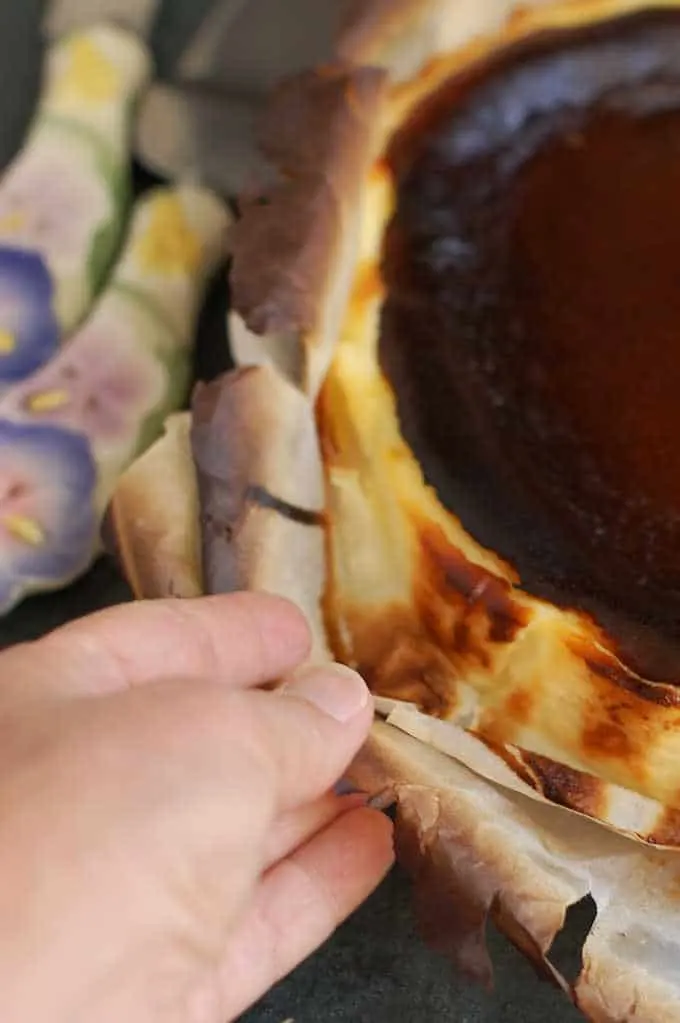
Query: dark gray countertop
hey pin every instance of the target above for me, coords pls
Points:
(375, 969)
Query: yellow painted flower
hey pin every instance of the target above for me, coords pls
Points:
(26, 529)
(48, 518)
(48, 401)
(168, 245)
(8, 341)
(88, 75)
(13, 223)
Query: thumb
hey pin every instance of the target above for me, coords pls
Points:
(307, 732)
(265, 751)
(198, 768)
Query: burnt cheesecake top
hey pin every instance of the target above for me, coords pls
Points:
(531, 329)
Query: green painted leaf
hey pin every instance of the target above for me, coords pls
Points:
(179, 382)
(104, 250)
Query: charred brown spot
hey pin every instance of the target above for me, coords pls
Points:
(485, 609)
(619, 675)
(508, 756)
(532, 314)
(607, 739)
(400, 661)
(566, 786)
(462, 638)
(520, 706)
(460, 612)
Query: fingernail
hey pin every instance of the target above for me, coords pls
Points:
(383, 800)
(346, 788)
(336, 691)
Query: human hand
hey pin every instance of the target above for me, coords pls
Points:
(169, 848)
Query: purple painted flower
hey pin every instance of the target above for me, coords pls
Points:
(29, 330)
(102, 383)
(48, 520)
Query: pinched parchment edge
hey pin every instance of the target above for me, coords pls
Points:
(479, 853)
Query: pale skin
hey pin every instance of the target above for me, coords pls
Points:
(169, 844)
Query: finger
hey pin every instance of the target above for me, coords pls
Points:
(211, 769)
(245, 639)
(296, 827)
(296, 743)
(286, 749)
(301, 902)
